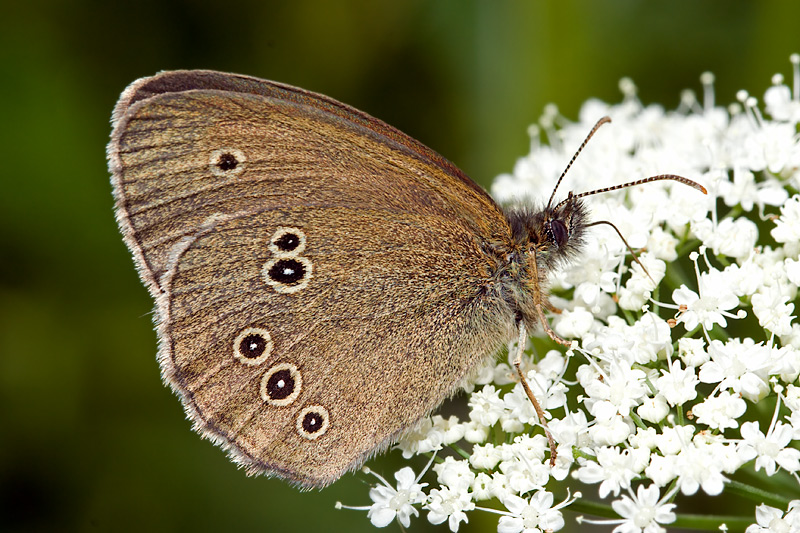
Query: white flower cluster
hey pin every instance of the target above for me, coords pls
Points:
(663, 401)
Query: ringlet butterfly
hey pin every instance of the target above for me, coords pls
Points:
(322, 280)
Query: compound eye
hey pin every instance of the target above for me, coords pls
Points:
(559, 232)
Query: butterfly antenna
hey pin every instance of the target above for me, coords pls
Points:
(628, 246)
(600, 122)
(672, 177)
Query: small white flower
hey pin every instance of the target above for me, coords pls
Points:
(594, 276)
(503, 375)
(391, 503)
(654, 409)
(692, 351)
(575, 323)
(475, 433)
(662, 245)
(683, 207)
(741, 191)
(552, 365)
(550, 395)
(639, 286)
(738, 365)
(697, 464)
(531, 516)
(615, 468)
(611, 431)
(529, 448)
(774, 312)
(500, 487)
(618, 391)
(652, 335)
(662, 469)
(613, 342)
(721, 411)
(791, 396)
(771, 450)
(700, 465)
(430, 435)
(644, 438)
(787, 226)
(570, 429)
(523, 463)
(451, 429)
(486, 406)
(672, 439)
(644, 512)
(482, 487)
(523, 478)
(456, 475)
(518, 411)
(484, 457)
(772, 520)
(449, 505)
(421, 439)
(746, 278)
(784, 362)
(733, 238)
(709, 307)
(677, 385)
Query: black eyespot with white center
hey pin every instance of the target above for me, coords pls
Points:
(287, 271)
(227, 162)
(281, 384)
(288, 242)
(288, 274)
(252, 346)
(313, 422)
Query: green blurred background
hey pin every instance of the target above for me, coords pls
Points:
(91, 440)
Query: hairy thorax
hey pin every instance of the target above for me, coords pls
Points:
(541, 240)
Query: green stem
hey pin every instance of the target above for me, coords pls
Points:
(757, 495)
(582, 505)
(712, 522)
(690, 334)
(637, 420)
(459, 450)
(577, 453)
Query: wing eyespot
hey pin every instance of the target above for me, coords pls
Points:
(252, 346)
(313, 422)
(281, 385)
(227, 162)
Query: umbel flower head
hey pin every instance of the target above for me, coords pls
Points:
(684, 375)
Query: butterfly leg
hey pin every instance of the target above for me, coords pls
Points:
(552, 308)
(523, 337)
(540, 303)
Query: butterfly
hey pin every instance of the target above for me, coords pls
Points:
(322, 281)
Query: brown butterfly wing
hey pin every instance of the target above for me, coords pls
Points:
(319, 276)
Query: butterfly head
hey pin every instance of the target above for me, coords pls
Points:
(553, 234)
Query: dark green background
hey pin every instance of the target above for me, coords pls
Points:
(91, 440)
